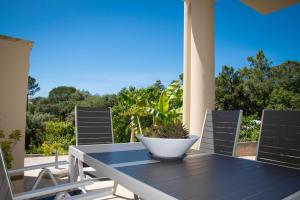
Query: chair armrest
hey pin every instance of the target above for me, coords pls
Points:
(51, 190)
(33, 167)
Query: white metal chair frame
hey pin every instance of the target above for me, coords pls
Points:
(43, 172)
(61, 190)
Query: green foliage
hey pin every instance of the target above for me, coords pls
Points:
(2, 134)
(282, 99)
(35, 128)
(61, 94)
(48, 149)
(120, 124)
(59, 133)
(7, 145)
(60, 102)
(259, 86)
(171, 130)
(130, 105)
(168, 108)
(99, 101)
(250, 128)
(15, 135)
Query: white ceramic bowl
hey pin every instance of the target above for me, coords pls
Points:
(168, 147)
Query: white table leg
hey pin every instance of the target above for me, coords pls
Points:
(71, 168)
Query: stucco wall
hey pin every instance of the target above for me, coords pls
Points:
(14, 64)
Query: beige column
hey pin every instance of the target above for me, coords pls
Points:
(14, 63)
(187, 64)
(199, 81)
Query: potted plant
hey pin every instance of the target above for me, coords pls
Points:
(169, 141)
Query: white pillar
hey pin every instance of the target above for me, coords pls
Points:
(199, 63)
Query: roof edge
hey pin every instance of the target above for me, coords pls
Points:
(13, 39)
(269, 6)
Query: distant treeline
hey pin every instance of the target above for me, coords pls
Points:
(258, 86)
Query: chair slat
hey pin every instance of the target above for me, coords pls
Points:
(220, 131)
(94, 129)
(93, 125)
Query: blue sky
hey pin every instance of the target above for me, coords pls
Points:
(102, 46)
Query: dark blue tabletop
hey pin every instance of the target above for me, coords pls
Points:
(209, 176)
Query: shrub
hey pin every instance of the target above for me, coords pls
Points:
(120, 125)
(59, 133)
(250, 128)
(49, 149)
(35, 129)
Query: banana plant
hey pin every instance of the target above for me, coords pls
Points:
(168, 109)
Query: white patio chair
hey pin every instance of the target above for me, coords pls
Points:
(59, 191)
(93, 126)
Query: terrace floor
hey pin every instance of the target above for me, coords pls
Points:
(30, 177)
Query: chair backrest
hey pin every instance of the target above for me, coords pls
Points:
(221, 131)
(93, 126)
(279, 140)
(5, 185)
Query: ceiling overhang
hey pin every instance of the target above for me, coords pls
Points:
(268, 6)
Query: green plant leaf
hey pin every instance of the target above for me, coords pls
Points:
(163, 103)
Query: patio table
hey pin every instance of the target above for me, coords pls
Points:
(197, 176)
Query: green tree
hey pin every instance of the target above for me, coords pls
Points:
(61, 93)
(99, 101)
(35, 128)
(228, 89)
(33, 86)
(248, 88)
(286, 92)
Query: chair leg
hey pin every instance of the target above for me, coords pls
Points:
(52, 177)
(80, 170)
(40, 176)
(115, 187)
(76, 170)
(81, 174)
